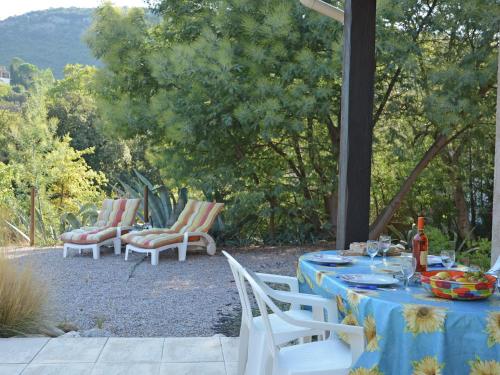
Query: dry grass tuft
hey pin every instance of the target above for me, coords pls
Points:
(22, 299)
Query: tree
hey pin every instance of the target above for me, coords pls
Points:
(242, 101)
(450, 69)
(264, 96)
(33, 155)
(71, 101)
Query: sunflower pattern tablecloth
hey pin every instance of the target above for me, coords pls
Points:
(410, 331)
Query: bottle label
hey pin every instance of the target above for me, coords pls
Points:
(423, 258)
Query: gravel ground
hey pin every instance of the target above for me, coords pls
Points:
(192, 298)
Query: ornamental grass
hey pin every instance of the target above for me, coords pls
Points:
(22, 299)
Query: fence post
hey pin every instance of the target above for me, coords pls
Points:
(32, 217)
(146, 204)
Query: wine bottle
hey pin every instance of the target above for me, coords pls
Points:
(420, 246)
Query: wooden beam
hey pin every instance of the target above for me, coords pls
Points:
(495, 233)
(356, 122)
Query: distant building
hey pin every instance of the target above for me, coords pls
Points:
(4, 75)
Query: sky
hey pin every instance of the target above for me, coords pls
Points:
(10, 8)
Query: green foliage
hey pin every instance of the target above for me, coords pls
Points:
(243, 100)
(438, 241)
(71, 101)
(223, 118)
(86, 216)
(163, 206)
(240, 101)
(478, 255)
(33, 155)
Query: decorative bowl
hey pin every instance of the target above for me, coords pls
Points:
(466, 291)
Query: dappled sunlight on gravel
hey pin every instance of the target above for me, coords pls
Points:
(136, 299)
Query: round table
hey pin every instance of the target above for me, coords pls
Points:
(408, 330)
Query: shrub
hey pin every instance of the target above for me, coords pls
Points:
(437, 240)
(22, 299)
(479, 254)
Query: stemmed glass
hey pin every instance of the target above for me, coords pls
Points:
(448, 258)
(372, 249)
(408, 267)
(384, 244)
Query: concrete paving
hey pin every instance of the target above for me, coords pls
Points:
(119, 356)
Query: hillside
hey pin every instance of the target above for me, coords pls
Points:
(49, 38)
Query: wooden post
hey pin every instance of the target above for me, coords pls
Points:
(356, 122)
(32, 217)
(146, 204)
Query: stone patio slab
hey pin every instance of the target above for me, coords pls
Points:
(199, 368)
(59, 369)
(192, 349)
(132, 349)
(20, 350)
(102, 368)
(84, 349)
(231, 368)
(230, 346)
(13, 369)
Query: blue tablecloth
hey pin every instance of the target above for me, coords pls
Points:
(411, 331)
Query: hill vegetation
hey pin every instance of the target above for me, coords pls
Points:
(48, 39)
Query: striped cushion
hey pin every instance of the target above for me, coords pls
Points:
(107, 207)
(123, 212)
(156, 240)
(197, 216)
(89, 235)
(114, 213)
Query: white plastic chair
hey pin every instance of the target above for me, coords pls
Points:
(254, 358)
(327, 357)
(495, 269)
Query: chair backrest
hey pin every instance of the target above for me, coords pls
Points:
(264, 302)
(237, 270)
(118, 212)
(107, 207)
(197, 216)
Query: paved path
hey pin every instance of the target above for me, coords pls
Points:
(119, 355)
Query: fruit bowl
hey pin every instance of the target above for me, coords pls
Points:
(460, 290)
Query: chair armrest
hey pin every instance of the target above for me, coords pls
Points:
(318, 304)
(291, 281)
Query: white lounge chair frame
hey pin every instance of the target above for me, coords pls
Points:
(205, 241)
(96, 247)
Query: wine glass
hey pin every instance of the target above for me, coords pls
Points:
(372, 249)
(384, 244)
(448, 258)
(408, 267)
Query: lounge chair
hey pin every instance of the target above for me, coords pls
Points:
(115, 218)
(190, 229)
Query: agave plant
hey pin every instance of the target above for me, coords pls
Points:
(86, 216)
(163, 206)
(43, 231)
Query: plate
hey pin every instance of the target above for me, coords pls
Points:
(328, 258)
(433, 260)
(389, 268)
(368, 279)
